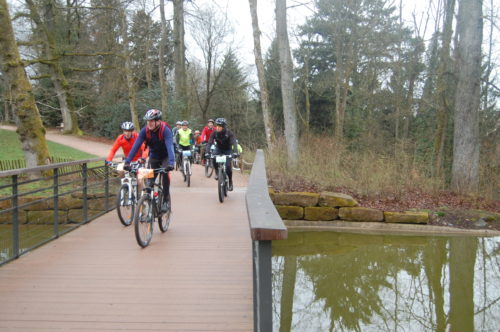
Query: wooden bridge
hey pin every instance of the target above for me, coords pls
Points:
(195, 277)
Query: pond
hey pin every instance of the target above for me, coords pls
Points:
(329, 281)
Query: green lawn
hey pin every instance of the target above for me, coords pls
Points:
(11, 148)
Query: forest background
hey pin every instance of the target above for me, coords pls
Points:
(374, 94)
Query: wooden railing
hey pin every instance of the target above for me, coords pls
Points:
(265, 226)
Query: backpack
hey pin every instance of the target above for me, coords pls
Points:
(163, 124)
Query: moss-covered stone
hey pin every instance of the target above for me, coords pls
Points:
(290, 212)
(408, 217)
(360, 214)
(45, 217)
(320, 213)
(331, 199)
(296, 199)
(271, 193)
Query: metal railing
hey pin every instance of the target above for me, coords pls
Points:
(265, 226)
(36, 208)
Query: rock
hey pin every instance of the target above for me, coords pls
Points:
(407, 217)
(481, 222)
(296, 199)
(360, 214)
(336, 200)
(323, 213)
(290, 212)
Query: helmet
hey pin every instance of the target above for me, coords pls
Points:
(210, 120)
(220, 122)
(178, 123)
(185, 123)
(196, 132)
(152, 114)
(127, 125)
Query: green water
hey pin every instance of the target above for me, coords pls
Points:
(328, 281)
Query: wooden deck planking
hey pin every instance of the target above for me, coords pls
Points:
(195, 277)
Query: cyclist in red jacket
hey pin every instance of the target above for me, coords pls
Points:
(205, 135)
(125, 141)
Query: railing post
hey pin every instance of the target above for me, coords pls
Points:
(15, 218)
(56, 202)
(106, 187)
(85, 200)
(262, 291)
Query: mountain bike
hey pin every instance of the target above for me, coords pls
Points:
(223, 178)
(126, 200)
(235, 162)
(149, 207)
(186, 166)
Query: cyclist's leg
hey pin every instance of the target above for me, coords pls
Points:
(217, 151)
(166, 181)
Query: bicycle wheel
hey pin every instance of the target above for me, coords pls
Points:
(209, 168)
(164, 218)
(188, 173)
(236, 164)
(177, 162)
(125, 207)
(144, 221)
(220, 185)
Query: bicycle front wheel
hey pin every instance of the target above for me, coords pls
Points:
(220, 185)
(144, 221)
(187, 166)
(125, 206)
(209, 169)
(164, 217)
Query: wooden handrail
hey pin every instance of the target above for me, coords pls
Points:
(265, 222)
(47, 167)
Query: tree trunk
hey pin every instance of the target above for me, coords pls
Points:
(161, 67)
(61, 85)
(443, 88)
(287, 293)
(286, 66)
(129, 75)
(259, 63)
(29, 124)
(180, 59)
(466, 145)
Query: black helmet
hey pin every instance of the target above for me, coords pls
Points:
(220, 122)
(127, 125)
(153, 114)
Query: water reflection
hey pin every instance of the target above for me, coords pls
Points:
(326, 281)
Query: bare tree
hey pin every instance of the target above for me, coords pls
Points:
(180, 57)
(259, 63)
(131, 81)
(465, 167)
(29, 124)
(286, 65)
(161, 55)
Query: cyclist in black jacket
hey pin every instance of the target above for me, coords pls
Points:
(225, 143)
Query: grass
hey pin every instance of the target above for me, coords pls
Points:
(325, 165)
(11, 148)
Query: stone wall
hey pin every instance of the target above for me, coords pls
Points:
(42, 210)
(328, 206)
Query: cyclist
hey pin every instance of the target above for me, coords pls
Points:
(174, 136)
(225, 143)
(205, 135)
(185, 137)
(125, 141)
(158, 138)
(197, 137)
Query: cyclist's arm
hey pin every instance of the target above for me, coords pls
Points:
(232, 140)
(137, 145)
(167, 136)
(114, 148)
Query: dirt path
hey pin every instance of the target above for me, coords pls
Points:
(101, 150)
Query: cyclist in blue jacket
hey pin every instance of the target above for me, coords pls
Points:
(158, 138)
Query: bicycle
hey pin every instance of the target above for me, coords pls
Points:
(149, 207)
(186, 166)
(126, 199)
(236, 164)
(223, 178)
(209, 163)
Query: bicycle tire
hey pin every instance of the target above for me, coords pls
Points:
(125, 208)
(164, 218)
(209, 168)
(220, 185)
(144, 221)
(188, 173)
